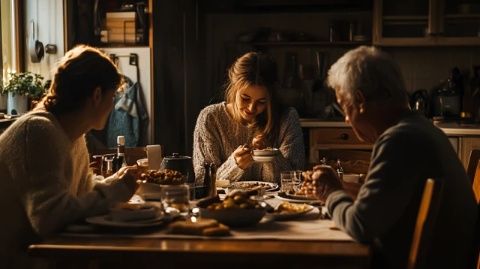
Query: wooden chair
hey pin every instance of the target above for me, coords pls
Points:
(473, 172)
(426, 218)
(476, 191)
(476, 182)
(472, 163)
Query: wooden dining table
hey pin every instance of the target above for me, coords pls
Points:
(68, 252)
(308, 242)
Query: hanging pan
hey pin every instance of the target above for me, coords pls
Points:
(35, 47)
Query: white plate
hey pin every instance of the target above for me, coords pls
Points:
(105, 220)
(296, 199)
(263, 159)
(248, 185)
(292, 215)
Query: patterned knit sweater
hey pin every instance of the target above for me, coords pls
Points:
(217, 135)
(45, 184)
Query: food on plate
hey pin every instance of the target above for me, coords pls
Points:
(249, 185)
(132, 212)
(308, 186)
(163, 177)
(236, 199)
(289, 208)
(202, 226)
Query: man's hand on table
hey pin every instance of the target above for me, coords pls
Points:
(325, 181)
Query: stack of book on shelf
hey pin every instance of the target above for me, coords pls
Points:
(121, 27)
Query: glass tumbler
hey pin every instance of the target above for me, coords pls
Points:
(175, 198)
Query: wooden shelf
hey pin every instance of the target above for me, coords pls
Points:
(462, 16)
(405, 18)
(311, 43)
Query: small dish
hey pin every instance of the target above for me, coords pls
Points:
(295, 211)
(297, 198)
(106, 221)
(249, 185)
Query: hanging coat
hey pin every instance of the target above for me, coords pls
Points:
(129, 117)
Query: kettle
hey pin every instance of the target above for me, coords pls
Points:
(419, 102)
(181, 164)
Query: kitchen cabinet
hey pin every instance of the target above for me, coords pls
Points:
(314, 33)
(339, 143)
(336, 140)
(426, 23)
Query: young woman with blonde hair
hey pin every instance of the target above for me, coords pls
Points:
(250, 118)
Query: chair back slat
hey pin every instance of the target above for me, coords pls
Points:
(472, 163)
(476, 191)
(476, 183)
(425, 223)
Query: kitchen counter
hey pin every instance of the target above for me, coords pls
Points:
(450, 128)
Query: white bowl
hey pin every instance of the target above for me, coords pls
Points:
(235, 217)
(265, 152)
(263, 159)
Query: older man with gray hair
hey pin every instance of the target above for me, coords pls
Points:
(407, 150)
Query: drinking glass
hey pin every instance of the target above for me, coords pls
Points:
(287, 181)
(175, 198)
(297, 180)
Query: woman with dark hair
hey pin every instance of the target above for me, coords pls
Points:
(45, 180)
(250, 118)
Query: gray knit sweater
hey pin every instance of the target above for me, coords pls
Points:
(217, 135)
(45, 184)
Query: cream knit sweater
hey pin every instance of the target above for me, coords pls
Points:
(217, 135)
(45, 184)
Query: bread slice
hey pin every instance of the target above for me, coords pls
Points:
(203, 226)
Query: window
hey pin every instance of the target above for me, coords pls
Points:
(9, 37)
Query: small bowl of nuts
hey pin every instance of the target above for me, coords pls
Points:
(238, 209)
(151, 181)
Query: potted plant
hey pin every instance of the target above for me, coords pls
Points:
(22, 88)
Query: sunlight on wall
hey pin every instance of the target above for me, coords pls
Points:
(8, 40)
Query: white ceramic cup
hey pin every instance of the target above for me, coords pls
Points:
(154, 156)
